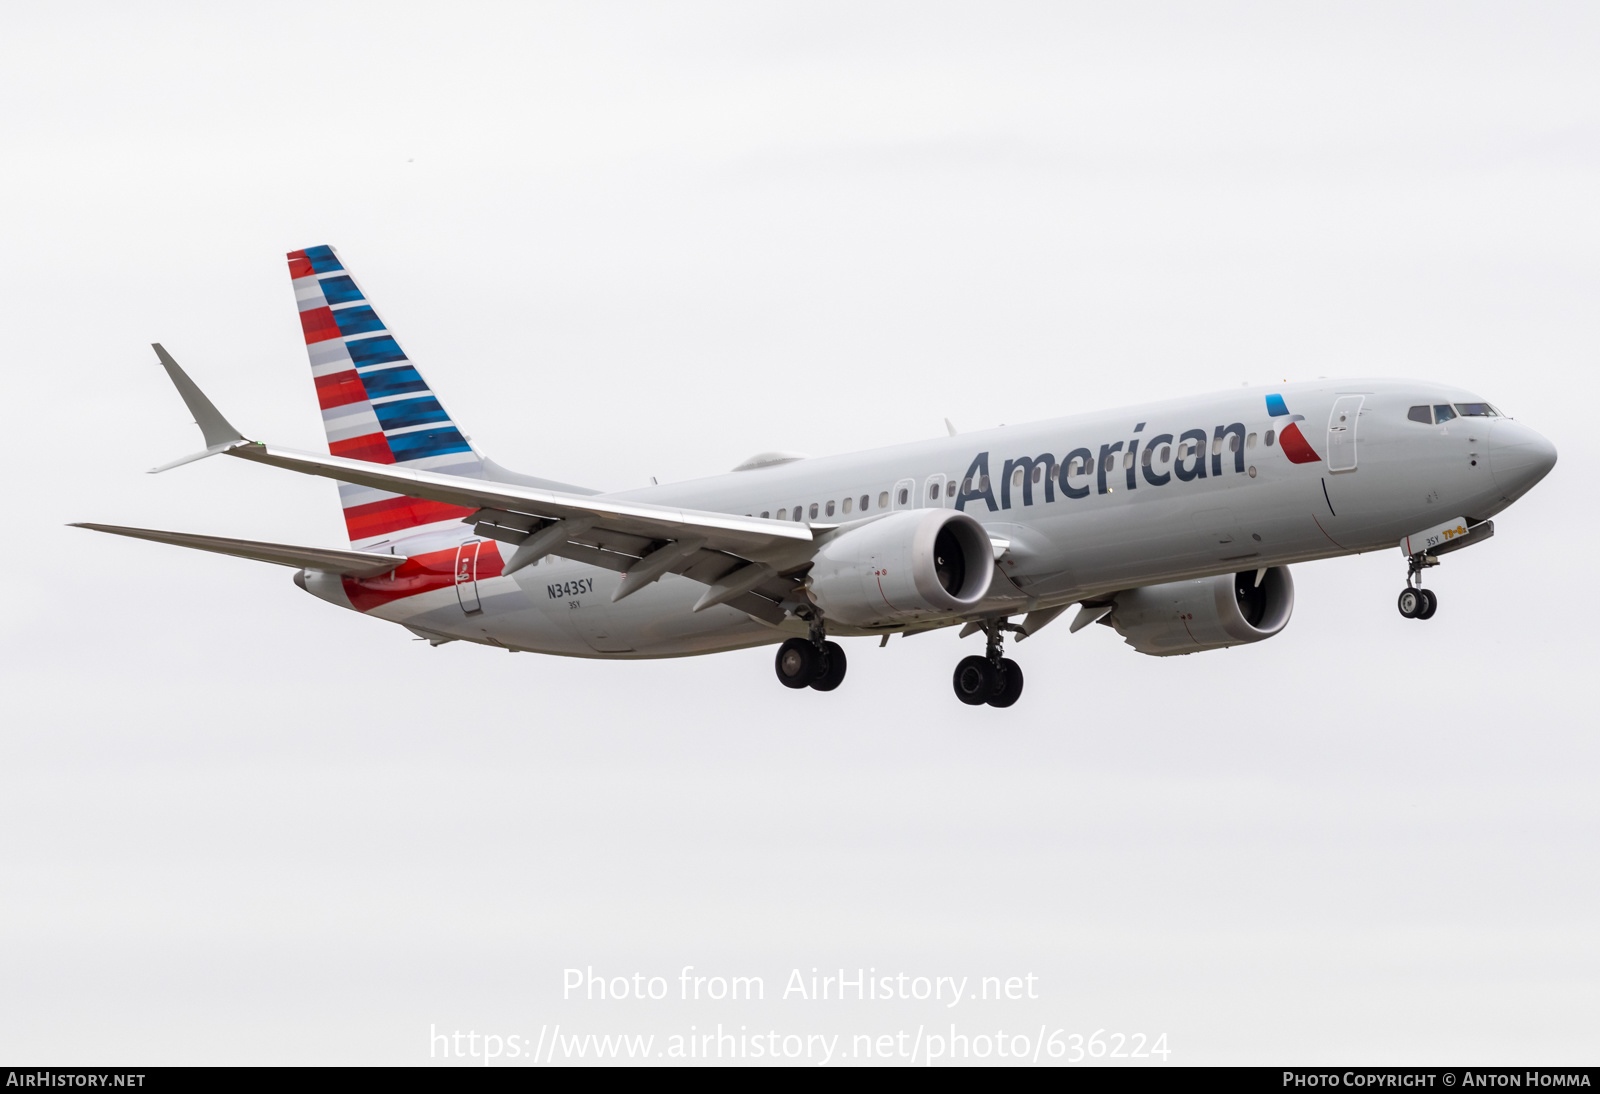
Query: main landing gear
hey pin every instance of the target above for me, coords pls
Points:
(990, 679)
(1416, 602)
(812, 662)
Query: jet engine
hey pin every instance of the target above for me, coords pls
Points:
(907, 565)
(1207, 613)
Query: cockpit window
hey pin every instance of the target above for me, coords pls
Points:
(1476, 410)
(1421, 414)
(1442, 413)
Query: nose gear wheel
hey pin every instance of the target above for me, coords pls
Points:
(1415, 602)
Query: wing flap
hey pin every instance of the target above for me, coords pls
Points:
(353, 563)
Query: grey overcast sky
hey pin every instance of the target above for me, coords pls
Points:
(238, 825)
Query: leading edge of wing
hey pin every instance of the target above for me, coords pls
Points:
(353, 563)
(748, 537)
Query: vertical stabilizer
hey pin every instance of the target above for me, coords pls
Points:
(375, 404)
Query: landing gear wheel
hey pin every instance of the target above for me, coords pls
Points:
(975, 680)
(1410, 602)
(1010, 689)
(1430, 604)
(831, 674)
(798, 663)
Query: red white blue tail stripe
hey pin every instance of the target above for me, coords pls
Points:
(375, 404)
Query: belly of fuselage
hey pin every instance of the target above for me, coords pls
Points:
(565, 608)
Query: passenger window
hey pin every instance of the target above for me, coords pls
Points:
(950, 489)
(799, 513)
(1016, 479)
(1421, 414)
(1111, 461)
(1127, 460)
(966, 485)
(830, 509)
(1442, 413)
(1166, 453)
(1267, 438)
(1216, 447)
(1145, 459)
(847, 505)
(813, 510)
(864, 500)
(1055, 472)
(1250, 441)
(983, 484)
(766, 514)
(1476, 410)
(883, 499)
(1233, 442)
(783, 514)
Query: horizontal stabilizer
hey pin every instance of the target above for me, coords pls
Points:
(352, 563)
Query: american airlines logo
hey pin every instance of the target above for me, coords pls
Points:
(1095, 473)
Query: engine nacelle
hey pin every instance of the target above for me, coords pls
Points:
(1207, 613)
(905, 566)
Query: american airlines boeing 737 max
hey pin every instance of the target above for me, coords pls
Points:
(1173, 522)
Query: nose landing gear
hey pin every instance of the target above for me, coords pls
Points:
(811, 663)
(1416, 602)
(990, 679)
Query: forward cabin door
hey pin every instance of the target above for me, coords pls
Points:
(467, 577)
(1342, 432)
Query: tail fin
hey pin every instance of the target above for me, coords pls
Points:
(375, 404)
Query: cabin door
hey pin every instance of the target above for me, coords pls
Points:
(1342, 432)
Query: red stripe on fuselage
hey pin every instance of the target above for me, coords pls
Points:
(371, 447)
(379, 518)
(340, 389)
(419, 574)
(319, 325)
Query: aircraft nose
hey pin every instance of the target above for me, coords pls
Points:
(1518, 457)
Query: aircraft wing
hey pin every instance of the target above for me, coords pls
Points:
(741, 559)
(353, 563)
(749, 537)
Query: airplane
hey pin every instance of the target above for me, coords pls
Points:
(1174, 523)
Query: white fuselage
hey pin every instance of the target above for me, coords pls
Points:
(1080, 522)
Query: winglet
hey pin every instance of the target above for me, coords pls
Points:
(219, 433)
(216, 429)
